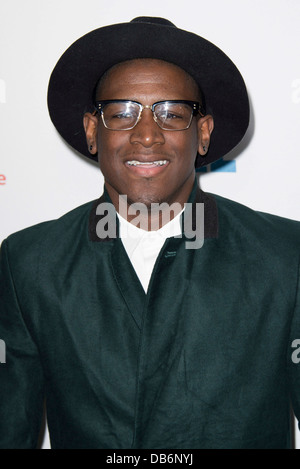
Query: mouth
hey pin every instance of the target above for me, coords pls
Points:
(146, 169)
(146, 164)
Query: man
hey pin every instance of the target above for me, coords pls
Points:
(137, 338)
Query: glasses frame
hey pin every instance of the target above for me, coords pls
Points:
(197, 108)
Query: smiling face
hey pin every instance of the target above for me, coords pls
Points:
(170, 179)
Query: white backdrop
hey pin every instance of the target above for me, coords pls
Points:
(41, 178)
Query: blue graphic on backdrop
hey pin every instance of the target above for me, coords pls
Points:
(224, 166)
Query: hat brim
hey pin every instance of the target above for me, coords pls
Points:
(72, 82)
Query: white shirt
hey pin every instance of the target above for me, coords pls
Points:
(143, 247)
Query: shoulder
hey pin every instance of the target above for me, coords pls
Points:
(48, 236)
(236, 218)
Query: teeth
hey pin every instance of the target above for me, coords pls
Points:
(146, 163)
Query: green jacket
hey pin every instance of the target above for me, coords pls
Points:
(204, 360)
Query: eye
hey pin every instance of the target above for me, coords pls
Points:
(168, 115)
(171, 112)
(120, 111)
(172, 115)
(123, 115)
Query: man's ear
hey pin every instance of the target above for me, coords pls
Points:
(90, 124)
(205, 127)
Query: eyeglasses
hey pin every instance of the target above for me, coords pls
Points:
(120, 114)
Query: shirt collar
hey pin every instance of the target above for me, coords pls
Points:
(173, 228)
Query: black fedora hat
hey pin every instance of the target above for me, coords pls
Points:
(72, 82)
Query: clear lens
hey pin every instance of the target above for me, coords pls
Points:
(173, 116)
(121, 116)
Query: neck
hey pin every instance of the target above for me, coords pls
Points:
(149, 216)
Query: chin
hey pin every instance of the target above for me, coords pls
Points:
(146, 199)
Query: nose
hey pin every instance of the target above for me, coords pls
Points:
(147, 132)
